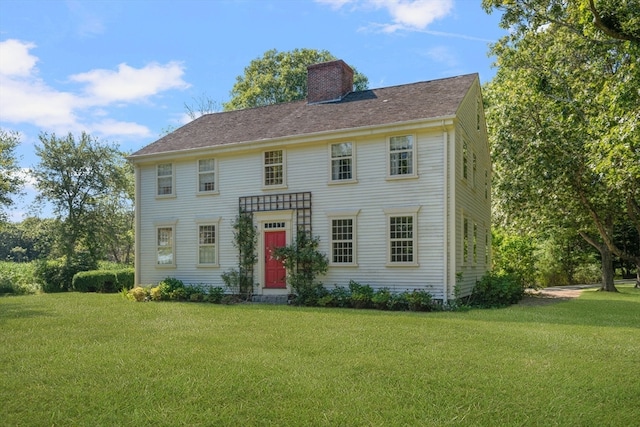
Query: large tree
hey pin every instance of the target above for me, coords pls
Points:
(10, 180)
(77, 175)
(280, 77)
(564, 113)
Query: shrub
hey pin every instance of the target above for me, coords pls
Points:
(304, 263)
(381, 299)
(94, 281)
(399, 302)
(125, 278)
(137, 294)
(215, 295)
(496, 290)
(419, 300)
(57, 275)
(361, 295)
(18, 278)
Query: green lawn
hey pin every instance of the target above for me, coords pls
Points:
(100, 360)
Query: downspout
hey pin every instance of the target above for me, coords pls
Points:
(445, 140)
(136, 209)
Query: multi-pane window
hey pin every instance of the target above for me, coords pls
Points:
(474, 169)
(165, 179)
(401, 155)
(465, 160)
(465, 240)
(165, 249)
(207, 244)
(475, 243)
(274, 167)
(206, 175)
(342, 238)
(401, 239)
(342, 161)
(486, 184)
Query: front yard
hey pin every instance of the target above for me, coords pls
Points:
(98, 359)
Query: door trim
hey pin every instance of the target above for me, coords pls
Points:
(271, 221)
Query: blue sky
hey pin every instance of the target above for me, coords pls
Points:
(123, 70)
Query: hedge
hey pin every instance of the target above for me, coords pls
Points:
(107, 281)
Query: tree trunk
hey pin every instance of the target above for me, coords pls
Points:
(637, 277)
(607, 269)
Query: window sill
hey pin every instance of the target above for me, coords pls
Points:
(401, 177)
(207, 193)
(166, 266)
(342, 181)
(344, 265)
(275, 187)
(402, 264)
(165, 196)
(207, 265)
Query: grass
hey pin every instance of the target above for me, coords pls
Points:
(97, 359)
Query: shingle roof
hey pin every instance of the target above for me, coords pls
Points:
(396, 104)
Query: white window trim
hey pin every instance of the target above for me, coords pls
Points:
(411, 211)
(414, 158)
(173, 181)
(353, 179)
(166, 223)
(284, 170)
(215, 178)
(216, 223)
(353, 216)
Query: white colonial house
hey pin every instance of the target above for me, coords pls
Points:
(394, 181)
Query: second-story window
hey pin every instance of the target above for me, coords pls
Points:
(342, 161)
(401, 156)
(274, 168)
(165, 179)
(206, 175)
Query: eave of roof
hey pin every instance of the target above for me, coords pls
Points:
(370, 108)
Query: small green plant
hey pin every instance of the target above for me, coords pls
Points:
(381, 299)
(419, 300)
(361, 295)
(215, 295)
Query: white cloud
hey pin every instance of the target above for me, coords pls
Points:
(412, 15)
(15, 59)
(131, 84)
(115, 128)
(27, 98)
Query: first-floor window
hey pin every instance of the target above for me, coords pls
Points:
(165, 246)
(342, 234)
(401, 240)
(207, 244)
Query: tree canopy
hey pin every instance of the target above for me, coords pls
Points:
(10, 180)
(86, 181)
(563, 115)
(280, 77)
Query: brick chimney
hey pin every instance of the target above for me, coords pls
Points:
(328, 81)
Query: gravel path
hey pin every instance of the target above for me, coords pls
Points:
(553, 294)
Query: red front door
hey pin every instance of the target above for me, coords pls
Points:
(274, 270)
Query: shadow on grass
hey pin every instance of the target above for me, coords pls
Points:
(17, 310)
